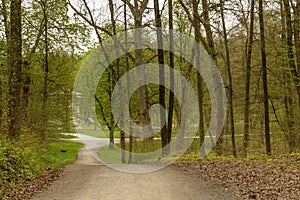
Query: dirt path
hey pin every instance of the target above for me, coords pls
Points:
(87, 179)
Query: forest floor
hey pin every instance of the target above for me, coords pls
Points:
(277, 178)
(265, 178)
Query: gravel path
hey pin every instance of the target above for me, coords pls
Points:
(88, 179)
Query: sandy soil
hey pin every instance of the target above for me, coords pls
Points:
(88, 179)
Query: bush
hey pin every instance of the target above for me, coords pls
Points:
(19, 161)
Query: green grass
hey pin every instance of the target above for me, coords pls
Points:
(60, 136)
(60, 153)
(113, 156)
(99, 133)
(256, 149)
(110, 156)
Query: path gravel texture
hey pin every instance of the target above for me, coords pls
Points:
(88, 179)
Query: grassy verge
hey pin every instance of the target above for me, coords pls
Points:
(110, 156)
(26, 159)
(60, 153)
(89, 130)
(113, 156)
(146, 151)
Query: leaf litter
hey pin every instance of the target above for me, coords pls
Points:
(277, 178)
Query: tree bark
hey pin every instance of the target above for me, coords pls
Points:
(230, 90)
(164, 136)
(119, 74)
(208, 31)
(264, 78)
(171, 57)
(6, 31)
(46, 70)
(288, 98)
(15, 64)
(246, 140)
(290, 46)
(137, 10)
(297, 32)
(297, 42)
(199, 78)
(128, 82)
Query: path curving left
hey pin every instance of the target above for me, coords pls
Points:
(88, 179)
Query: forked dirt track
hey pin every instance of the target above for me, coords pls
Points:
(87, 179)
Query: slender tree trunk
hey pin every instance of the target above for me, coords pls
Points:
(164, 137)
(230, 97)
(119, 74)
(290, 46)
(5, 21)
(25, 93)
(297, 44)
(297, 32)
(6, 31)
(208, 31)
(46, 71)
(288, 99)
(1, 100)
(137, 10)
(15, 56)
(199, 78)
(128, 83)
(111, 76)
(264, 78)
(297, 41)
(246, 140)
(181, 115)
(111, 136)
(171, 57)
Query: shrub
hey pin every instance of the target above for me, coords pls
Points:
(19, 161)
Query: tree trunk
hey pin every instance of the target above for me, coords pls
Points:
(119, 74)
(128, 83)
(264, 78)
(290, 46)
(6, 29)
(137, 10)
(246, 140)
(288, 99)
(46, 72)
(164, 137)
(208, 31)
(179, 115)
(15, 64)
(297, 32)
(171, 57)
(111, 137)
(230, 96)
(199, 78)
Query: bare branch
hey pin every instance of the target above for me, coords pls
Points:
(90, 22)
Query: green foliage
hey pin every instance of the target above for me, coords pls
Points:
(62, 72)
(18, 163)
(26, 159)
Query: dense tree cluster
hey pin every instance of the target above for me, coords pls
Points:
(40, 48)
(256, 46)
